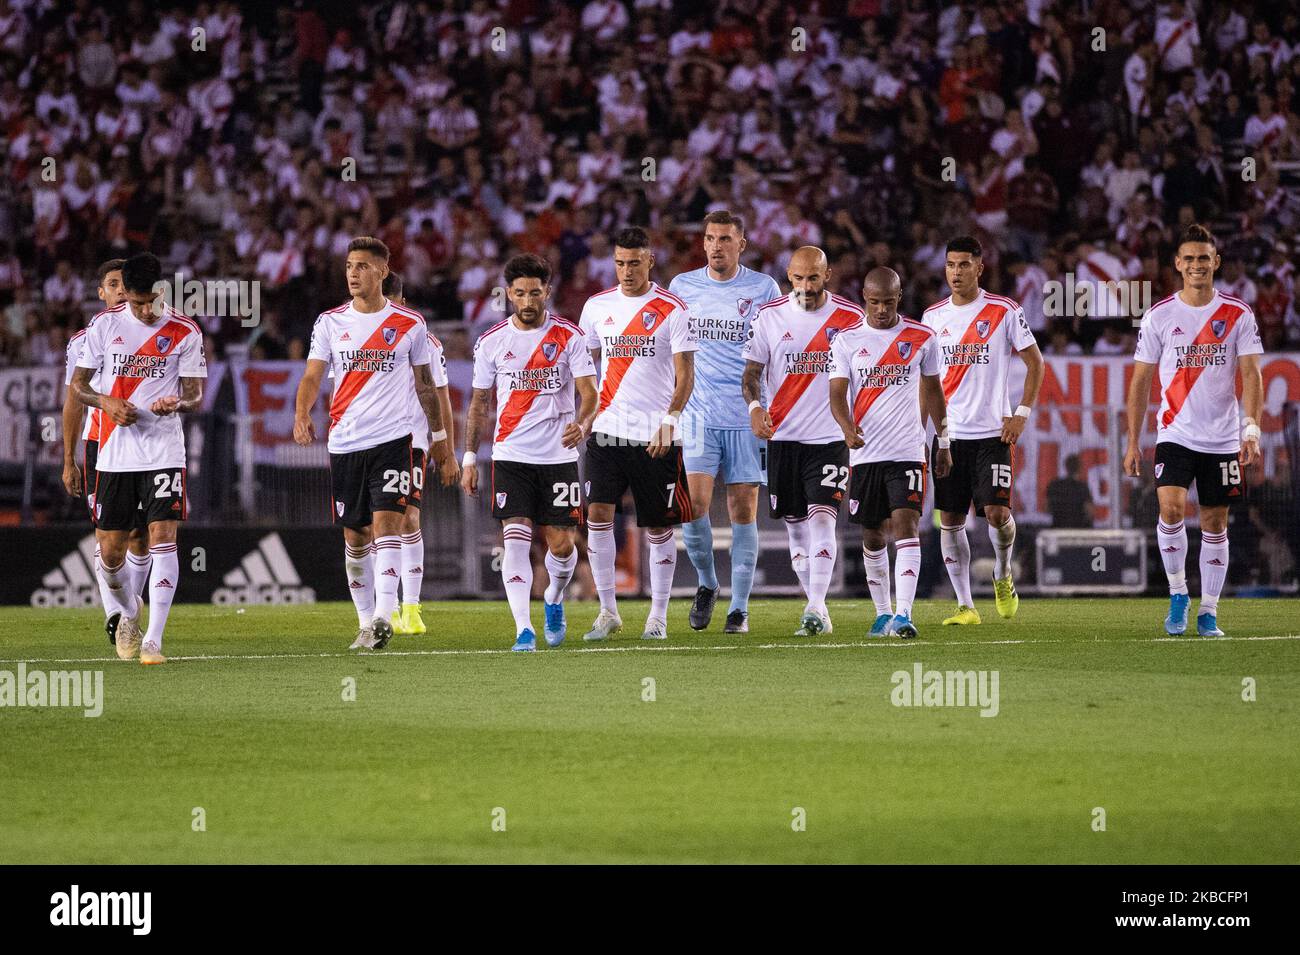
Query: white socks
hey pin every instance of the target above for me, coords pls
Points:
(359, 564)
(1214, 568)
(1172, 540)
(907, 567)
(412, 567)
(517, 572)
(1002, 537)
(798, 532)
(388, 564)
(600, 554)
(163, 580)
(112, 588)
(560, 570)
(137, 572)
(956, 560)
(663, 562)
(877, 567)
(821, 554)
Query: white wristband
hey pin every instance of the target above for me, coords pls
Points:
(944, 442)
(670, 419)
(439, 435)
(753, 405)
(1251, 431)
(1024, 411)
(469, 460)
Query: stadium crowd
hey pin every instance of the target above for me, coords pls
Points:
(219, 135)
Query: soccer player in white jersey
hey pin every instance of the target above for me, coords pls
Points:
(373, 348)
(884, 383)
(978, 332)
(407, 620)
(1199, 339)
(533, 362)
(724, 297)
(147, 360)
(789, 352)
(78, 481)
(646, 342)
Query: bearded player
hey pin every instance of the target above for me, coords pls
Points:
(978, 332)
(1199, 339)
(788, 356)
(533, 363)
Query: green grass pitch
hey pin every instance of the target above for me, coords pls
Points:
(248, 723)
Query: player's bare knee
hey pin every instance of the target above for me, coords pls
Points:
(411, 520)
(357, 536)
(560, 541)
(1214, 520)
(1171, 512)
(997, 515)
(137, 541)
(742, 503)
(904, 524)
(600, 513)
(162, 532)
(873, 538)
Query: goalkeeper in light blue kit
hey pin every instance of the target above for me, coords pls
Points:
(724, 297)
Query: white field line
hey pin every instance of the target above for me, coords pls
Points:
(684, 648)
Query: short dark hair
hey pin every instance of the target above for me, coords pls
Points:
(723, 217)
(527, 266)
(368, 243)
(140, 273)
(392, 287)
(966, 243)
(1072, 463)
(1197, 233)
(633, 237)
(112, 265)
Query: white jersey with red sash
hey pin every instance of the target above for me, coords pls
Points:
(976, 342)
(89, 430)
(371, 356)
(142, 363)
(637, 337)
(532, 372)
(1196, 350)
(794, 346)
(419, 421)
(883, 367)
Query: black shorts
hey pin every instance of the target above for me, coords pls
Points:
(879, 488)
(800, 475)
(1217, 476)
(659, 488)
(127, 499)
(549, 495)
(89, 460)
(372, 479)
(981, 472)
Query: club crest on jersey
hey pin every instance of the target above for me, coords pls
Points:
(1218, 326)
(853, 506)
(501, 498)
(904, 350)
(390, 336)
(648, 319)
(831, 333)
(1160, 469)
(742, 305)
(772, 499)
(338, 508)
(549, 350)
(982, 328)
(163, 342)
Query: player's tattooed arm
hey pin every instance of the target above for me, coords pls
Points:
(1252, 402)
(427, 392)
(304, 431)
(474, 420)
(580, 427)
(188, 400)
(760, 422)
(1139, 392)
(935, 408)
(450, 470)
(1014, 426)
(841, 413)
(121, 411)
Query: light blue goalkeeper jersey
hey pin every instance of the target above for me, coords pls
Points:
(722, 312)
